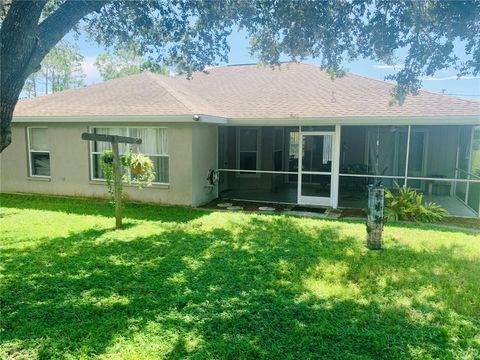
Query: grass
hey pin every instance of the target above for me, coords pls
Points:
(183, 283)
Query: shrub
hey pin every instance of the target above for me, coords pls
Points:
(407, 204)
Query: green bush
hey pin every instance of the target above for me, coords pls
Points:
(407, 204)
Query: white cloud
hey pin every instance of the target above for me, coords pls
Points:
(388, 67)
(88, 67)
(453, 77)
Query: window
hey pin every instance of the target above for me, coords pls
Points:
(39, 152)
(248, 139)
(154, 145)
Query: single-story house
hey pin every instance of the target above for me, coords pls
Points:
(288, 135)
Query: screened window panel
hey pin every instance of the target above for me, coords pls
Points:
(473, 199)
(460, 190)
(433, 151)
(278, 161)
(262, 187)
(38, 139)
(373, 150)
(387, 150)
(353, 191)
(464, 141)
(475, 156)
(417, 156)
(353, 150)
(278, 139)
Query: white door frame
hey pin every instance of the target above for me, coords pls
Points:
(317, 200)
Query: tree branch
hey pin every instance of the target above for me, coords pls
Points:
(60, 22)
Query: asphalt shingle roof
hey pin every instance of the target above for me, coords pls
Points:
(245, 91)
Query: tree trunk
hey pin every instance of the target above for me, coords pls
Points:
(24, 42)
(6, 112)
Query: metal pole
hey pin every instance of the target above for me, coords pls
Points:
(117, 183)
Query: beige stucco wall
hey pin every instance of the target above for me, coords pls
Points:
(70, 168)
(204, 158)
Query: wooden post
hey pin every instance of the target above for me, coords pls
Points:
(117, 169)
(376, 195)
(117, 184)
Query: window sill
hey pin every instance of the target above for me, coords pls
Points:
(154, 186)
(39, 178)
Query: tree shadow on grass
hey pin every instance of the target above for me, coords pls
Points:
(250, 290)
(101, 207)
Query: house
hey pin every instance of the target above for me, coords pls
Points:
(289, 135)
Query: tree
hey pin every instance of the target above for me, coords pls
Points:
(30, 87)
(63, 67)
(60, 70)
(193, 34)
(126, 61)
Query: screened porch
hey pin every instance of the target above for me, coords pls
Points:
(337, 163)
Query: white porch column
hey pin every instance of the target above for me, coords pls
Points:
(336, 165)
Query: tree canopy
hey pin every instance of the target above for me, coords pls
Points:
(61, 69)
(193, 34)
(126, 61)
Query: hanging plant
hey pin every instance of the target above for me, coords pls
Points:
(106, 164)
(142, 169)
(139, 169)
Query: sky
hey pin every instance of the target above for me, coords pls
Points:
(445, 80)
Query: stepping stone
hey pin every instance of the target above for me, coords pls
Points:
(266, 208)
(234, 208)
(224, 205)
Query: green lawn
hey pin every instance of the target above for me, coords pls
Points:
(185, 283)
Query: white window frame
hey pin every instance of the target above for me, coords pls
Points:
(92, 153)
(30, 151)
(249, 173)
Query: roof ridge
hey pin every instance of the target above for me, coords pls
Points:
(180, 97)
(187, 104)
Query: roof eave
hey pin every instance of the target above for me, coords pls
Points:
(120, 118)
(362, 120)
